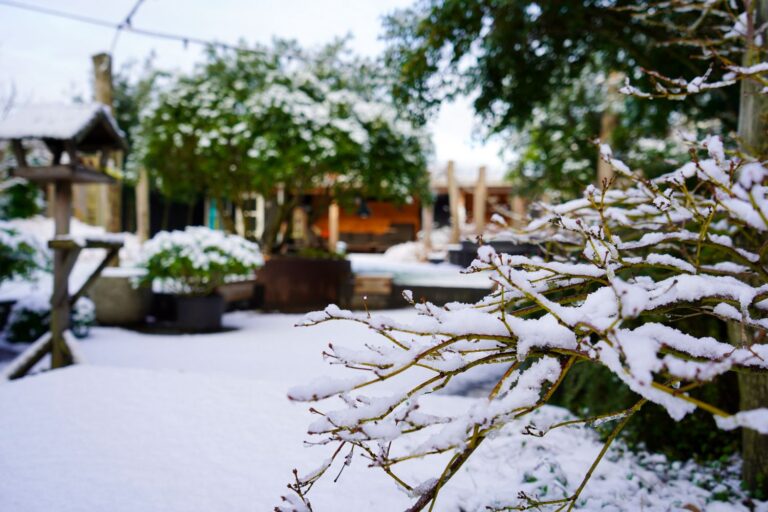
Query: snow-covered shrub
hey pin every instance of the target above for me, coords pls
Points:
(20, 199)
(31, 315)
(20, 255)
(622, 268)
(29, 319)
(197, 260)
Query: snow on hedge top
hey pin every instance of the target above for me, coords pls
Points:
(53, 120)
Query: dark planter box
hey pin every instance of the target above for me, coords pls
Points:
(239, 294)
(189, 313)
(468, 252)
(294, 284)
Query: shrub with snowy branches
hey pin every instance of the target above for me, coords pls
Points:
(621, 268)
(197, 260)
(622, 273)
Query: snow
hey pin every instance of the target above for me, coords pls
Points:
(413, 273)
(203, 422)
(55, 121)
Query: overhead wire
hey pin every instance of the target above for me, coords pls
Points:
(125, 25)
(127, 21)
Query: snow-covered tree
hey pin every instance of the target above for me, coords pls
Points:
(256, 121)
(620, 271)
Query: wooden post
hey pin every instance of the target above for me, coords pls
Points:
(608, 123)
(333, 226)
(300, 228)
(259, 217)
(62, 212)
(427, 221)
(478, 202)
(109, 196)
(520, 210)
(142, 206)
(453, 200)
(753, 138)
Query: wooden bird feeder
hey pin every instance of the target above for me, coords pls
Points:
(70, 132)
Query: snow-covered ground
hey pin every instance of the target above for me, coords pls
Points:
(202, 423)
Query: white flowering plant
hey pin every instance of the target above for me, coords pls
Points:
(197, 260)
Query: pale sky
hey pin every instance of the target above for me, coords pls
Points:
(48, 59)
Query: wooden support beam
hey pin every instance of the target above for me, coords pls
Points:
(62, 266)
(427, 221)
(71, 173)
(453, 199)
(519, 210)
(142, 206)
(111, 255)
(300, 225)
(27, 360)
(479, 201)
(68, 257)
(333, 226)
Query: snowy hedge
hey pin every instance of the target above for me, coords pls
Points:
(197, 260)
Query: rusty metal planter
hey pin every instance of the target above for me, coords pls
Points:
(295, 284)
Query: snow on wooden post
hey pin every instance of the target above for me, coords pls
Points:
(478, 202)
(453, 200)
(333, 226)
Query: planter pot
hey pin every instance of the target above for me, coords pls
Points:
(188, 313)
(117, 301)
(239, 294)
(294, 284)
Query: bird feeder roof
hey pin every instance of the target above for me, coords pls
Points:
(90, 126)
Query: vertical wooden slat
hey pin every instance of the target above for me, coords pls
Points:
(142, 206)
(333, 226)
(427, 221)
(479, 201)
(453, 199)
